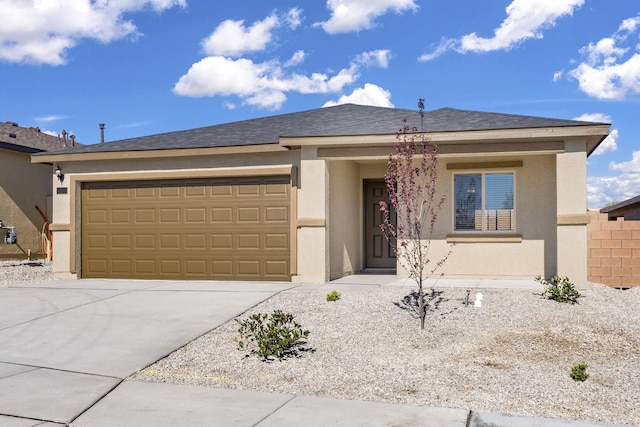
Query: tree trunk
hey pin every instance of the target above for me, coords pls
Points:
(421, 307)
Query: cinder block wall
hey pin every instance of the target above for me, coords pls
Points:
(613, 251)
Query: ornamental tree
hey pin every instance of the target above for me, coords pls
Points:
(411, 179)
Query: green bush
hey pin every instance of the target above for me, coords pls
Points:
(333, 296)
(579, 372)
(276, 335)
(559, 289)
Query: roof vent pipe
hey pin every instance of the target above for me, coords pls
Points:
(101, 133)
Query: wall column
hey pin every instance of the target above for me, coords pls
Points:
(60, 228)
(572, 216)
(313, 205)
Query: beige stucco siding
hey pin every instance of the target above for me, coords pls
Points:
(345, 219)
(571, 196)
(527, 252)
(23, 186)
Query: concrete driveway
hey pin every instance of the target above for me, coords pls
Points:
(64, 345)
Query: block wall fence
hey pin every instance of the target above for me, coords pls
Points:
(613, 251)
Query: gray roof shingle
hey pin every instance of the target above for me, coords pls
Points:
(340, 120)
(27, 140)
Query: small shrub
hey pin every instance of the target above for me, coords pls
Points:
(276, 335)
(579, 372)
(559, 289)
(334, 296)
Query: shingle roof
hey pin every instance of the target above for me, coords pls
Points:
(27, 140)
(626, 203)
(340, 120)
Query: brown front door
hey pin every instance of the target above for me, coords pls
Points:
(379, 252)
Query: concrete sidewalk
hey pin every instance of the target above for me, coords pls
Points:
(67, 347)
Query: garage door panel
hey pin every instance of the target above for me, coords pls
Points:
(277, 215)
(228, 229)
(144, 267)
(121, 241)
(120, 216)
(222, 241)
(145, 216)
(169, 216)
(276, 268)
(222, 268)
(121, 266)
(222, 215)
(249, 214)
(96, 216)
(97, 241)
(99, 266)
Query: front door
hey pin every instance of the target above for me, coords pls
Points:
(378, 250)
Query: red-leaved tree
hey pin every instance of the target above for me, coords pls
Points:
(411, 179)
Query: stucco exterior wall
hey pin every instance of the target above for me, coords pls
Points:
(503, 257)
(572, 217)
(23, 186)
(345, 218)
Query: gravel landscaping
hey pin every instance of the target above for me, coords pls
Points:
(18, 273)
(512, 355)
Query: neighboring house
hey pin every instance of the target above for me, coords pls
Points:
(628, 209)
(23, 186)
(295, 197)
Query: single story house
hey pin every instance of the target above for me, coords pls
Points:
(628, 209)
(294, 197)
(23, 186)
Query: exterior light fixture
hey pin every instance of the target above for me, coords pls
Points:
(59, 174)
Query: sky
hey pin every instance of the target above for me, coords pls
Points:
(144, 67)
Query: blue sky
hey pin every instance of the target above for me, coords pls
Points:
(151, 66)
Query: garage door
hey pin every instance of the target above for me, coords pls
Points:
(228, 229)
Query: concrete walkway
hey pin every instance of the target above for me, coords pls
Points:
(67, 346)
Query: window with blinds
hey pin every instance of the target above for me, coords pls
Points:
(484, 202)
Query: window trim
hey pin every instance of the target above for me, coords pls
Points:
(483, 234)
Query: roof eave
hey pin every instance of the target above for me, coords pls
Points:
(594, 134)
(155, 154)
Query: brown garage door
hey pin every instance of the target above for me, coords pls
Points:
(228, 229)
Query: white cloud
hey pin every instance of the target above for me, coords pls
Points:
(296, 59)
(49, 119)
(370, 94)
(41, 32)
(526, 19)
(557, 76)
(609, 144)
(594, 117)
(610, 70)
(355, 15)
(262, 84)
(631, 167)
(232, 38)
(293, 18)
(379, 58)
(444, 46)
(603, 190)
